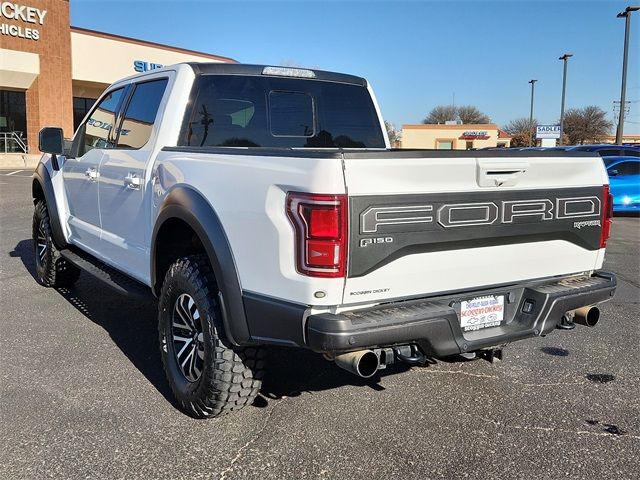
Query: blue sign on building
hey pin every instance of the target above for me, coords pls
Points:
(142, 66)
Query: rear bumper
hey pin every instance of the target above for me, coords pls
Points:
(434, 323)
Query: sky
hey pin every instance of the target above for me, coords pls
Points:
(416, 54)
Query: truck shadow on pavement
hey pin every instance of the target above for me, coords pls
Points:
(132, 325)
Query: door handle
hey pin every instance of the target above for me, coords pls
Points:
(132, 181)
(91, 174)
(500, 172)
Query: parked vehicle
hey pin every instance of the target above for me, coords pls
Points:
(608, 150)
(624, 180)
(263, 206)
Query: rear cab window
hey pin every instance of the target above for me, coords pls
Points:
(279, 112)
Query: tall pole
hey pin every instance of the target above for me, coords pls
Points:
(564, 58)
(623, 91)
(533, 83)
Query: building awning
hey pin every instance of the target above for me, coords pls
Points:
(18, 69)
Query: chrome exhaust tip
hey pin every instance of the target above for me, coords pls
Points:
(363, 363)
(588, 316)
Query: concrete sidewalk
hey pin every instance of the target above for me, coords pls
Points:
(18, 160)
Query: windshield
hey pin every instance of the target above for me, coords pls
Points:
(257, 111)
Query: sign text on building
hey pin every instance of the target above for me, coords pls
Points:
(548, 131)
(21, 13)
(142, 66)
(475, 135)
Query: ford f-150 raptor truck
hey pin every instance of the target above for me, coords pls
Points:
(263, 206)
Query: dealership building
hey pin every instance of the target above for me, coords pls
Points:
(454, 136)
(51, 72)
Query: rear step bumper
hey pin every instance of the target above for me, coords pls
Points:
(434, 324)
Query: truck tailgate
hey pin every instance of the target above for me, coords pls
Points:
(427, 222)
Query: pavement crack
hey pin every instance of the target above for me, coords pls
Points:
(557, 384)
(557, 430)
(460, 372)
(244, 447)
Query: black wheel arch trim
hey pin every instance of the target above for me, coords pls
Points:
(186, 204)
(42, 177)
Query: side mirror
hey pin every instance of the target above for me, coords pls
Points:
(613, 173)
(51, 140)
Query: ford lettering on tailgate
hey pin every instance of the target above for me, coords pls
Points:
(397, 225)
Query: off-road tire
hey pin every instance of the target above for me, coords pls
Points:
(51, 269)
(230, 377)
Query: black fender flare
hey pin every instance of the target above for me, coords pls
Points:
(190, 206)
(41, 176)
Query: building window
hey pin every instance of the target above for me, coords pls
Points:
(13, 118)
(445, 144)
(469, 144)
(81, 107)
(502, 145)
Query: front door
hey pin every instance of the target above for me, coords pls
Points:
(81, 171)
(123, 188)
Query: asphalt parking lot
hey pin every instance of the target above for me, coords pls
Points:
(83, 395)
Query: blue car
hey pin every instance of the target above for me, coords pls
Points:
(608, 150)
(624, 182)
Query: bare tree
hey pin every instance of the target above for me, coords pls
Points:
(441, 114)
(470, 114)
(463, 114)
(586, 125)
(395, 135)
(520, 130)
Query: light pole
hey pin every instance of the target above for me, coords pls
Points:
(533, 83)
(623, 91)
(565, 57)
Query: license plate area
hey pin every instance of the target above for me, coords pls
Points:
(482, 312)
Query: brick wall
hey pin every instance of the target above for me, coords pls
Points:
(49, 99)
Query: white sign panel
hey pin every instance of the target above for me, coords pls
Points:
(548, 131)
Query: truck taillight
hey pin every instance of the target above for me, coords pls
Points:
(320, 223)
(607, 214)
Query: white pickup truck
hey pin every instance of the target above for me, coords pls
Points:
(263, 206)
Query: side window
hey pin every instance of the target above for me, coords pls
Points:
(627, 168)
(291, 114)
(609, 152)
(141, 113)
(94, 133)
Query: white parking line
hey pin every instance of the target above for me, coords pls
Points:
(13, 173)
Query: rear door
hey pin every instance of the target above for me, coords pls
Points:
(80, 171)
(424, 223)
(123, 190)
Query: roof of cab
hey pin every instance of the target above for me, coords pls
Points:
(257, 70)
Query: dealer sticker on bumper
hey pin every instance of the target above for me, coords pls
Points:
(481, 312)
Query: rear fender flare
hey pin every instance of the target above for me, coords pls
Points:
(190, 206)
